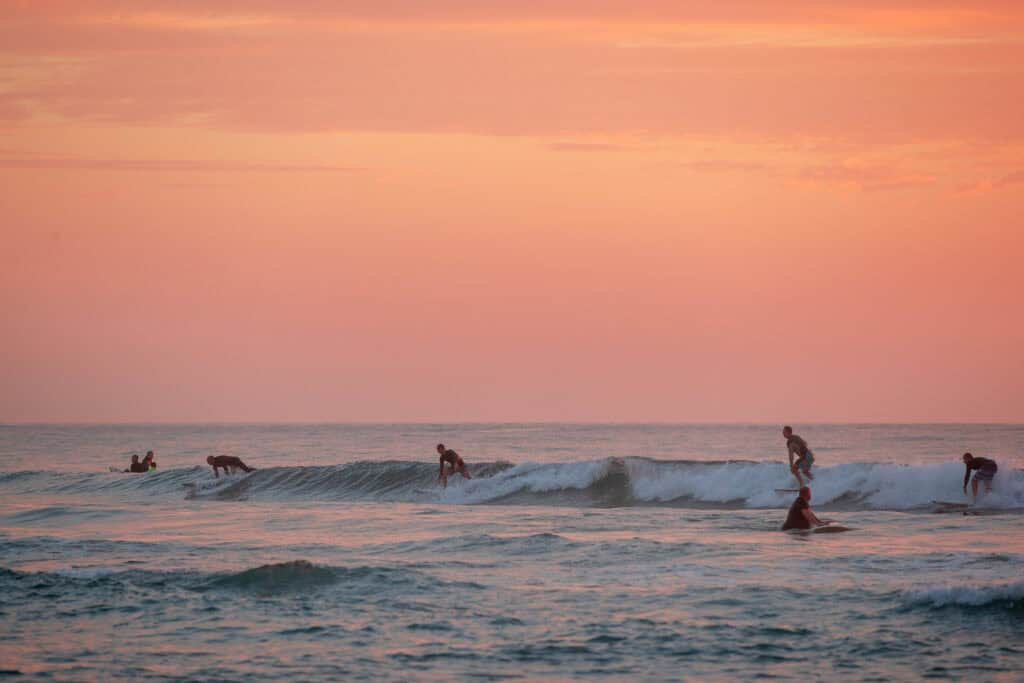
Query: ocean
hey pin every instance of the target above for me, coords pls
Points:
(578, 552)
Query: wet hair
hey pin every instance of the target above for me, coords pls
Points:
(209, 459)
(787, 428)
(968, 456)
(804, 488)
(440, 446)
(135, 456)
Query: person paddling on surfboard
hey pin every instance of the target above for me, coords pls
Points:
(804, 458)
(986, 470)
(455, 462)
(136, 466)
(229, 463)
(800, 514)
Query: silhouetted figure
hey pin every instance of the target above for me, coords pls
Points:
(229, 463)
(800, 514)
(985, 470)
(455, 462)
(804, 458)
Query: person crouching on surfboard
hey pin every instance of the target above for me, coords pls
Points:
(454, 461)
(804, 457)
(800, 514)
(986, 470)
(227, 461)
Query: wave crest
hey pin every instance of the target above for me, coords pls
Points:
(608, 482)
(1009, 595)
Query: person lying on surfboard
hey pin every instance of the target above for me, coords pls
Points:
(804, 457)
(986, 470)
(455, 462)
(225, 462)
(800, 514)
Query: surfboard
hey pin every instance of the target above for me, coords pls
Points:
(116, 469)
(787, 490)
(830, 529)
(950, 504)
(982, 512)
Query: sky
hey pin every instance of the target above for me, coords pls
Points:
(518, 210)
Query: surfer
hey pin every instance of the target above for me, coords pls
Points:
(800, 514)
(228, 462)
(455, 462)
(804, 457)
(986, 470)
(149, 462)
(136, 466)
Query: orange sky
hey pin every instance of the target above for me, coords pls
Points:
(561, 210)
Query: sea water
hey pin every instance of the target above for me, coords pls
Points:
(577, 552)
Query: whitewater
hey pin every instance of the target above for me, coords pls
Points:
(576, 552)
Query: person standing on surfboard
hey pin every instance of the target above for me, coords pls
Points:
(986, 470)
(800, 514)
(455, 462)
(804, 457)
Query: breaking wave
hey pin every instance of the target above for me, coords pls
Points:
(1009, 596)
(609, 482)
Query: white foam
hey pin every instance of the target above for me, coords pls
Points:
(527, 476)
(883, 486)
(973, 596)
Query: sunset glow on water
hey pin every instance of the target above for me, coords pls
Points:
(604, 250)
(640, 551)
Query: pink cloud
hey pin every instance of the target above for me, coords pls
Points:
(1014, 178)
(584, 147)
(197, 165)
(867, 178)
(724, 166)
(286, 67)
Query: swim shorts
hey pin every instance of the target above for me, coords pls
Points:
(985, 474)
(804, 463)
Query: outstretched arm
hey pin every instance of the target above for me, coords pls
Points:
(440, 472)
(967, 477)
(812, 518)
(789, 447)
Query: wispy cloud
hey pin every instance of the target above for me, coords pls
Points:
(72, 163)
(723, 166)
(455, 66)
(584, 147)
(1014, 178)
(868, 178)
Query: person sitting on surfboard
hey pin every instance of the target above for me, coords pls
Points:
(136, 466)
(986, 470)
(455, 462)
(804, 457)
(149, 462)
(800, 514)
(228, 462)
